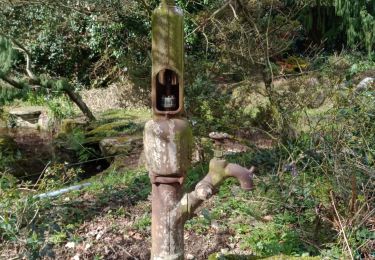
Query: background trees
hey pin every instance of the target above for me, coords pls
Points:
(96, 42)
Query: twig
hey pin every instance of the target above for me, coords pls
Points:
(36, 213)
(341, 226)
(27, 189)
(234, 12)
(209, 18)
(41, 175)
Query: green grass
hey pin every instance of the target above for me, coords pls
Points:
(135, 115)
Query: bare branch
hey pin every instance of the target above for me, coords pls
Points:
(209, 18)
(12, 82)
(30, 74)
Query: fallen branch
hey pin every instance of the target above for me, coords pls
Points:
(61, 84)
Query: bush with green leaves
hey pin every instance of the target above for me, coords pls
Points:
(210, 108)
(91, 42)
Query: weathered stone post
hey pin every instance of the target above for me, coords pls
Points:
(168, 141)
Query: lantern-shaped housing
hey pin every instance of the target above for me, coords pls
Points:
(167, 59)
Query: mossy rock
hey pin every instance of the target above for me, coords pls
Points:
(68, 125)
(139, 116)
(115, 128)
(119, 145)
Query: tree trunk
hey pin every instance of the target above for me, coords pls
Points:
(77, 99)
(11, 82)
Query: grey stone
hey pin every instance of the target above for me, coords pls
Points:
(365, 84)
(29, 117)
(117, 145)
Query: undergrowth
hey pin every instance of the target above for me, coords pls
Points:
(314, 195)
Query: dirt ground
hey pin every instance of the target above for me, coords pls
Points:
(114, 237)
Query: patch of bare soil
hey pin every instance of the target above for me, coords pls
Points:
(118, 237)
(110, 238)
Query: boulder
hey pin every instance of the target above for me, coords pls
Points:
(68, 125)
(365, 84)
(119, 145)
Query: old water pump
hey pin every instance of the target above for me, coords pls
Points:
(168, 141)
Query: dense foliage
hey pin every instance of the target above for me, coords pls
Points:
(340, 23)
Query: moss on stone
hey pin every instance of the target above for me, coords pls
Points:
(115, 128)
(135, 115)
(113, 123)
(68, 125)
(121, 125)
(119, 145)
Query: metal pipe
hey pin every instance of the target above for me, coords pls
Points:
(243, 175)
(219, 170)
(167, 225)
(168, 145)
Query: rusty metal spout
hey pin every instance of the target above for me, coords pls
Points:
(243, 175)
(219, 170)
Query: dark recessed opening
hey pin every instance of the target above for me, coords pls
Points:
(167, 91)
